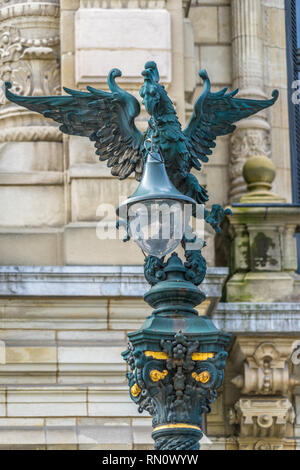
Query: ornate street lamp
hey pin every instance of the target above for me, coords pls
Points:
(177, 358)
(156, 206)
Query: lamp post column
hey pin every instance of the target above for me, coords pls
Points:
(177, 358)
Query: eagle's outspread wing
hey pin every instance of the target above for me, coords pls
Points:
(214, 115)
(107, 118)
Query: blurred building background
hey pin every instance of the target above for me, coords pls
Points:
(68, 298)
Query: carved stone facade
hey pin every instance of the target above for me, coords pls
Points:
(68, 297)
(31, 157)
(263, 417)
(29, 59)
(264, 424)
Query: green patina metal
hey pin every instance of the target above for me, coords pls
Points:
(108, 119)
(177, 358)
(190, 357)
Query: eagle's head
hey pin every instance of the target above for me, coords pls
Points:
(155, 98)
(151, 90)
(151, 70)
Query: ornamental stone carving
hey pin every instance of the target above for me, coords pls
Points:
(29, 59)
(265, 366)
(262, 423)
(263, 416)
(144, 4)
(248, 142)
(16, 9)
(29, 64)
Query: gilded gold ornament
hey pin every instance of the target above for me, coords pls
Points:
(202, 356)
(176, 426)
(156, 354)
(203, 377)
(156, 375)
(135, 390)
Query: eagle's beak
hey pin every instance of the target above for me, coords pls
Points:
(146, 73)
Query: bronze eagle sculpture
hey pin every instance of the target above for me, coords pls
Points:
(108, 119)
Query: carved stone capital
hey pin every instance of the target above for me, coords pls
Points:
(11, 9)
(29, 59)
(30, 65)
(31, 134)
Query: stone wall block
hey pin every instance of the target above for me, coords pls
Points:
(128, 39)
(205, 22)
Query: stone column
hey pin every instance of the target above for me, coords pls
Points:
(31, 160)
(252, 134)
(29, 58)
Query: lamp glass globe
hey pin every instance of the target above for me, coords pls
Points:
(156, 225)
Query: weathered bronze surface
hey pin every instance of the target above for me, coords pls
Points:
(177, 358)
(108, 119)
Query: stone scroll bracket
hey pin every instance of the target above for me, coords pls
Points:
(259, 400)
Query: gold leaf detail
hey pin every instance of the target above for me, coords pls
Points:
(203, 377)
(176, 426)
(156, 354)
(156, 375)
(135, 390)
(197, 356)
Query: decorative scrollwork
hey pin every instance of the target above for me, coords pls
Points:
(174, 388)
(196, 266)
(156, 375)
(18, 56)
(203, 377)
(215, 216)
(154, 269)
(135, 390)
